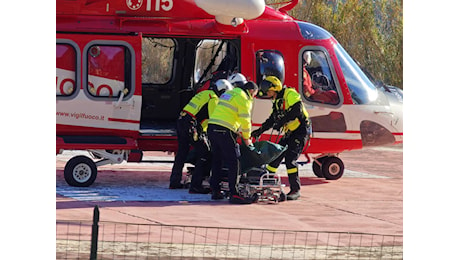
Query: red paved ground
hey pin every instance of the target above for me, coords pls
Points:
(371, 203)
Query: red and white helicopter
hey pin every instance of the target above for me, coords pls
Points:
(125, 69)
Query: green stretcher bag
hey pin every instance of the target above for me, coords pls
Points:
(264, 153)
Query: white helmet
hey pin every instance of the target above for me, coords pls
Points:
(307, 57)
(237, 79)
(222, 85)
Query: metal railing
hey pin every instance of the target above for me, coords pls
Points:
(112, 240)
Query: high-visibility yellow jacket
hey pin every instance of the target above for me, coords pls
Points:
(234, 112)
(201, 106)
(290, 98)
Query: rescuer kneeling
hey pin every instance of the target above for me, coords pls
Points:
(191, 130)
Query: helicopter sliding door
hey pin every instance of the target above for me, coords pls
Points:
(160, 99)
(173, 69)
(96, 85)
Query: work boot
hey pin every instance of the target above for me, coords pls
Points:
(236, 199)
(294, 184)
(199, 190)
(174, 186)
(217, 195)
(293, 195)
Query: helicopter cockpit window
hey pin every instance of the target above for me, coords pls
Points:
(317, 82)
(269, 63)
(212, 56)
(361, 88)
(157, 60)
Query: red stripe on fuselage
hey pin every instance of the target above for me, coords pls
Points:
(123, 120)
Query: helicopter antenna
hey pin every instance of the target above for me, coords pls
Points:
(286, 6)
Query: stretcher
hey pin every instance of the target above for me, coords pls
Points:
(254, 181)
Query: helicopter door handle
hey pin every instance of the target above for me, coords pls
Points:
(384, 112)
(120, 103)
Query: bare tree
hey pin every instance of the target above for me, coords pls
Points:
(370, 30)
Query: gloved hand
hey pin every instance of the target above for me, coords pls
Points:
(277, 126)
(280, 123)
(253, 149)
(256, 133)
(248, 142)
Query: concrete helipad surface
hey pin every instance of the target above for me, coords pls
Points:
(368, 198)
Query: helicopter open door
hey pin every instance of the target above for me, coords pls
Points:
(174, 69)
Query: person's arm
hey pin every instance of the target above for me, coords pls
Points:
(294, 111)
(265, 126)
(248, 142)
(212, 103)
(307, 83)
(244, 114)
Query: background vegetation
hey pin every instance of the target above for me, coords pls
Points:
(370, 30)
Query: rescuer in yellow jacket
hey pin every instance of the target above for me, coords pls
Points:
(232, 115)
(191, 130)
(289, 116)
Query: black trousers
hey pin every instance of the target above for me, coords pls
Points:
(184, 124)
(202, 154)
(202, 164)
(225, 152)
(295, 142)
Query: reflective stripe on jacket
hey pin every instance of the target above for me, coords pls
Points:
(199, 101)
(234, 112)
(290, 97)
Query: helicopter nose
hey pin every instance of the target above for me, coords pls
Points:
(391, 132)
(395, 98)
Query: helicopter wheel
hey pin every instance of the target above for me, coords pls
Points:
(332, 168)
(317, 167)
(80, 171)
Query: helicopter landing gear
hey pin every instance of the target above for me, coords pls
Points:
(329, 167)
(81, 171)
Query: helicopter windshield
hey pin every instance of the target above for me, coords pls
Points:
(361, 88)
(313, 32)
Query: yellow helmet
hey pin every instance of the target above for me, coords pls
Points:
(271, 83)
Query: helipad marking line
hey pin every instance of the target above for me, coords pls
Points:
(159, 191)
(120, 193)
(142, 192)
